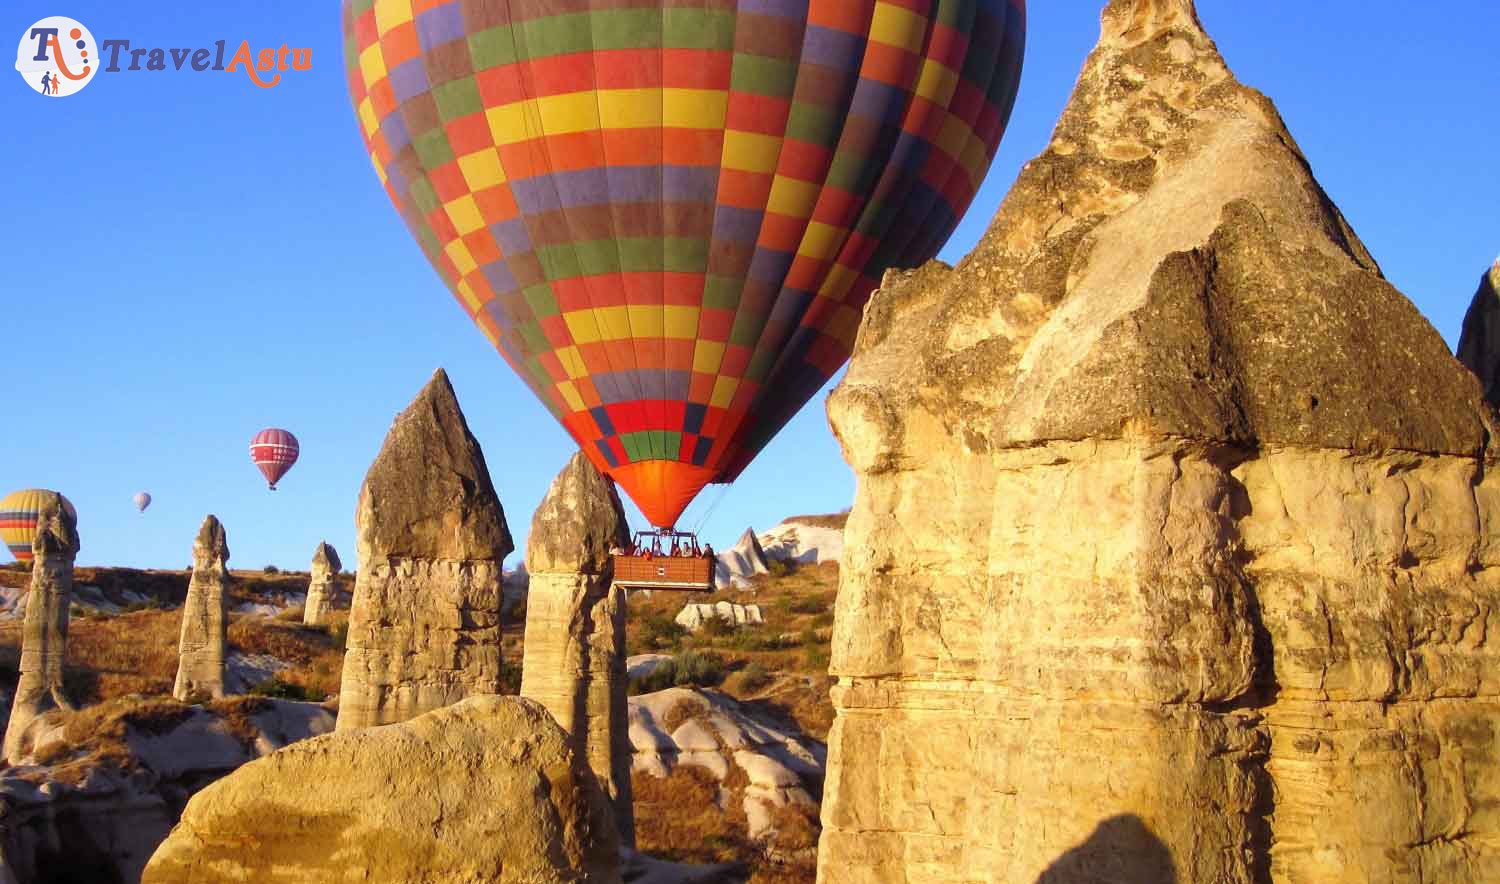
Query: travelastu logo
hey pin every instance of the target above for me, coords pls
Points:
(58, 56)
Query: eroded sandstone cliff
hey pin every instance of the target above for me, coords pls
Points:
(1173, 552)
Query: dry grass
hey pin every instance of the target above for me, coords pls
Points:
(108, 657)
(316, 653)
(136, 653)
(678, 818)
(96, 736)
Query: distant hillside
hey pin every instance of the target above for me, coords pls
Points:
(828, 520)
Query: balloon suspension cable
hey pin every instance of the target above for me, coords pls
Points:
(718, 499)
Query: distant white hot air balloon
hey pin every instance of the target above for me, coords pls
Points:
(142, 501)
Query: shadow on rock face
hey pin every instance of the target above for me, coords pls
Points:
(1122, 850)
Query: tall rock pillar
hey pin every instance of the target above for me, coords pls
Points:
(1173, 555)
(205, 617)
(44, 637)
(424, 627)
(1479, 343)
(323, 587)
(575, 626)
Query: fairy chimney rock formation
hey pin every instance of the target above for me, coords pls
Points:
(323, 587)
(44, 636)
(574, 660)
(424, 626)
(1174, 550)
(205, 617)
(1479, 344)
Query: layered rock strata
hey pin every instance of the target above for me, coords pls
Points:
(424, 626)
(205, 617)
(575, 625)
(44, 636)
(323, 586)
(1174, 552)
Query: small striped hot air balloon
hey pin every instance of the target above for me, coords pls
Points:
(18, 518)
(273, 452)
(142, 500)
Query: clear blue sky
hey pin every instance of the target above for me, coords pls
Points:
(187, 259)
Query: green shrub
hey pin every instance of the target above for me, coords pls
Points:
(779, 567)
(704, 669)
(662, 633)
(751, 679)
(271, 569)
(510, 678)
(281, 690)
(761, 638)
(815, 657)
(716, 627)
(809, 605)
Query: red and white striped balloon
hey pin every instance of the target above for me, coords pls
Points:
(274, 451)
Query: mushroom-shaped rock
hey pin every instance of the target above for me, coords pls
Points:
(44, 637)
(205, 616)
(488, 789)
(575, 624)
(424, 627)
(322, 585)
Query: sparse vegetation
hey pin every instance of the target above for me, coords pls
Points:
(750, 679)
(270, 570)
(510, 678)
(121, 668)
(827, 520)
(658, 632)
(703, 669)
(283, 690)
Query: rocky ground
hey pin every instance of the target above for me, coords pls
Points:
(727, 722)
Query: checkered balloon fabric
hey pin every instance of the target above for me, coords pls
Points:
(667, 215)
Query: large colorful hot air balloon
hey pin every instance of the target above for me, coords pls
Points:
(273, 452)
(667, 216)
(18, 516)
(142, 500)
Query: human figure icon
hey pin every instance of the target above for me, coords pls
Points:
(47, 83)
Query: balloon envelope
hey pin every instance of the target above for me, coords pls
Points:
(274, 452)
(18, 517)
(142, 500)
(668, 216)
